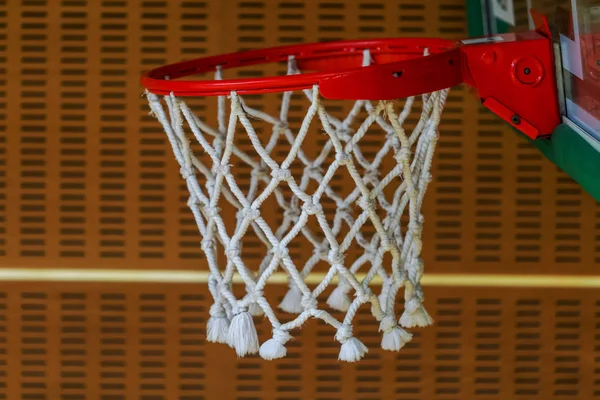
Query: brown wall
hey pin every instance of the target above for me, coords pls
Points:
(87, 181)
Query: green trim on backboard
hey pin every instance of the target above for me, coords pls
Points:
(574, 153)
(475, 20)
(572, 150)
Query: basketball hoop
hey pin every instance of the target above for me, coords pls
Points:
(368, 221)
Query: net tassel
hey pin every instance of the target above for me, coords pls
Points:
(217, 326)
(242, 334)
(291, 302)
(275, 347)
(339, 299)
(415, 314)
(352, 349)
(394, 337)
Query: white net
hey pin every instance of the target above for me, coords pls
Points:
(386, 255)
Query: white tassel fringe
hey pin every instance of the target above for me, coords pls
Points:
(415, 315)
(217, 329)
(339, 299)
(291, 302)
(217, 325)
(352, 350)
(242, 334)
(395, 339)
(275, 347)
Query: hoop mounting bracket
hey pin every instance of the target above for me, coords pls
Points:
(515, 78)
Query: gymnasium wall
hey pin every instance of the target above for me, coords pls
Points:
(88, 183)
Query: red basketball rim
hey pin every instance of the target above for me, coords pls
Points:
(400, 70)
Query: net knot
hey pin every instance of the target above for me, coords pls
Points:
(187, 172)
(217, 310)
(280, 251)
(388, 323)
(412, 305)
(220, 169)
(223, 286)
(415, 227)
(192, 201)
(344, 333)
(274, 348)
(391, 136)
(387, 244)
(311, 208)
(207, 245)
(219, 140)
(255, 296)
(403, 154)
(308, 302)
(282, 125)
(367, 204)
(250, 213)
(281, 174)
(281, 336)
(233, 249)
(237, 310)
(343, 158)
(365, 296)
(212, 212)
(336, 257)
(371, 176)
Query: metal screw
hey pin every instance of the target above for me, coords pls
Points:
(515, 119)
(397, 74)
(598, 63)
(527, 71)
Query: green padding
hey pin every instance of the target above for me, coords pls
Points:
(475, 17)
(475, 20)
(576, 156)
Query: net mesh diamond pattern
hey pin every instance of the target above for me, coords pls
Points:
(378, 220)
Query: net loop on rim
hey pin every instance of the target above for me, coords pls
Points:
(388, 250)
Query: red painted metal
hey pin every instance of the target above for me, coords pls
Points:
(513, 74)
(339, 62)
(520, 84)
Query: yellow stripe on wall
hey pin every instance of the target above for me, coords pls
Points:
(471, 280)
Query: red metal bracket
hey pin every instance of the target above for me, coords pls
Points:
(513, 73)
(515, 78)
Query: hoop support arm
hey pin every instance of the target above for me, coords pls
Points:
(514, 76)
(513, 73)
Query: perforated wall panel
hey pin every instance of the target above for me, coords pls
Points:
(91, 341)
(89, 180)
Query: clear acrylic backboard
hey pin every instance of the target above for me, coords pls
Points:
(576, 29)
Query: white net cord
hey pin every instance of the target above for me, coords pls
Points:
(390, 255)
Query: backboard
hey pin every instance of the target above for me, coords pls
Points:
(576, 32)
